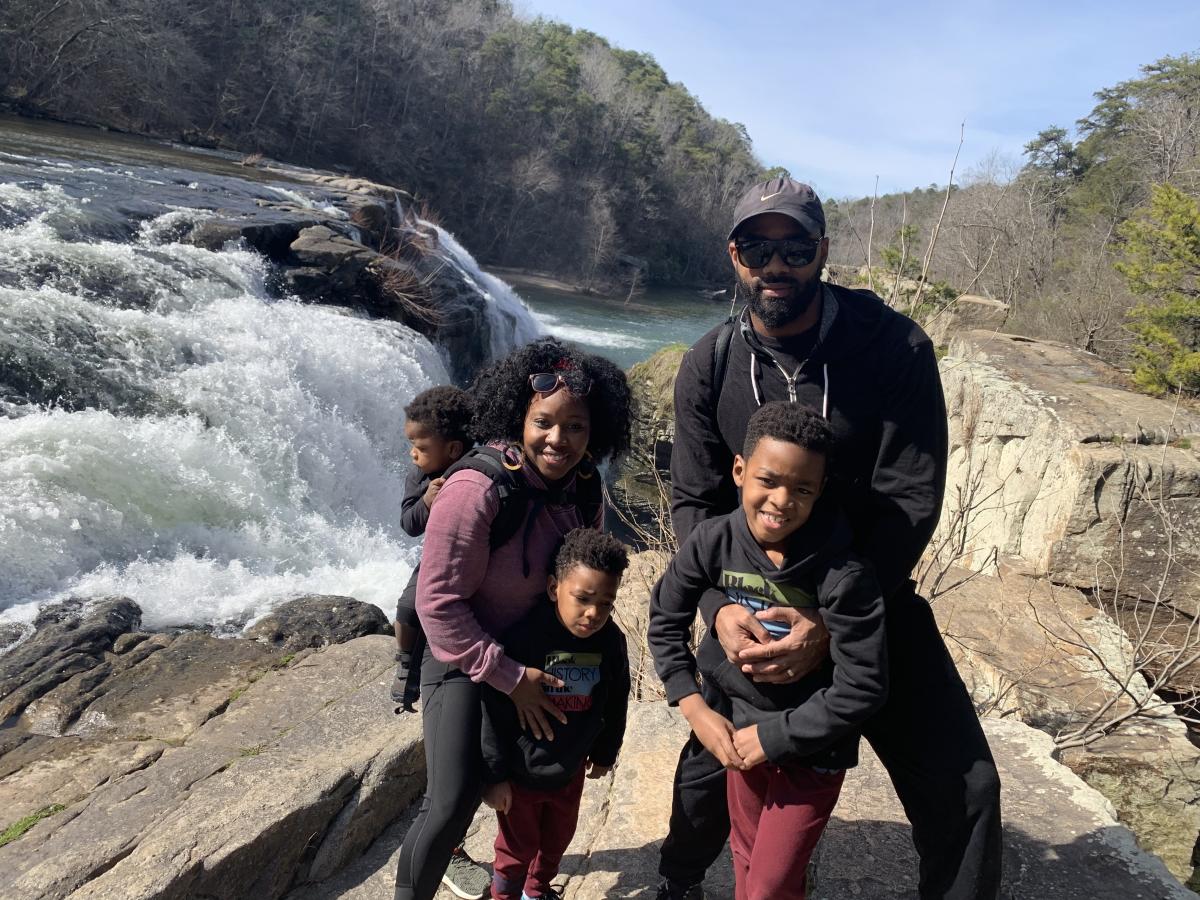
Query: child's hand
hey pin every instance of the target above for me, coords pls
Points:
(498, 796)
(595, 770)
(431, 492)
(749, 747)
(714, 731)
(534, 708)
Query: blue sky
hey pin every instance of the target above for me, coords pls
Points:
(841, 92)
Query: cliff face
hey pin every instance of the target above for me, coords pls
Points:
(1061, 480)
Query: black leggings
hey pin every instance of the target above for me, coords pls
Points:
(928, 738)
(452, 719)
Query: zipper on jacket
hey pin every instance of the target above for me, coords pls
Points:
(790, 379)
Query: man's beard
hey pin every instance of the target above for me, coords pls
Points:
(777, 312)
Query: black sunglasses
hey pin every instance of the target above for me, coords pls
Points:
(755, 253)
(549, 382)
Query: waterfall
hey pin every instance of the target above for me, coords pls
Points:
(511, 322)
(171, 432)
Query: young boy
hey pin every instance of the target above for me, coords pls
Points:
(535, 785)
(788, 745)
(437, 424)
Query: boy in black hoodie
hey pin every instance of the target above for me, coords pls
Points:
(535, 785)
(787, 745)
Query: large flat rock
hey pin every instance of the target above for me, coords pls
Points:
(1053, 461)
(1061, 838)
(296, 775)
(1043, 655)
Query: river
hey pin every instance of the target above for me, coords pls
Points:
(625, 332)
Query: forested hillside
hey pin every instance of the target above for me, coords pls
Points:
(1093, 238)
(538, 145)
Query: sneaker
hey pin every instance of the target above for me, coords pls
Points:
(466, 878)
(400, 682)
(671, 890)
(551, 894)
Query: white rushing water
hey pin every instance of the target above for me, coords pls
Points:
(247, 448)
(509, 317)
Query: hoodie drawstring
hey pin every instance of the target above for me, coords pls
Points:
(791, 382)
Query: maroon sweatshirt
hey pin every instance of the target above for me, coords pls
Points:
(468, 593)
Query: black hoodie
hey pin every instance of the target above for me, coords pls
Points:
(596, 672)
(875, 372)
(813, 721)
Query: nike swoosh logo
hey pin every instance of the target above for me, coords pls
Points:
(769, 196)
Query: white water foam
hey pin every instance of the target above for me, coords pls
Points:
(615, 339)
(277, 469)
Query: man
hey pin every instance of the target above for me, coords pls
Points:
(873, 374)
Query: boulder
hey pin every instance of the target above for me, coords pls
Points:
(1061, 839)
(1041, 654)
(164, 688)
(271, 235)
(318, 621)
(632, 613)
(652, 382)
(69, 638)
(1054, 462)
(967, 312)
(294, 778)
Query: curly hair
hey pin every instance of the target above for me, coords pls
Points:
(502, 394)
(445, 410)
(791, 423)
(592, 549)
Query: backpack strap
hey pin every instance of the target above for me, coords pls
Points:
(511, 490)
(514, 493)
(721, 357)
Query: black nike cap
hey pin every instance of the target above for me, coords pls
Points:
(781, 194)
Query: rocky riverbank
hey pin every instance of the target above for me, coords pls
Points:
(137, 766)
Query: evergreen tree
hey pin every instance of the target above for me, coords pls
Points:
(1162, 263)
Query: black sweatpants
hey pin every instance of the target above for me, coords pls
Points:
(452, 719)
(929, 739)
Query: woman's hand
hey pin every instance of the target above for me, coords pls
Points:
(533, 705)
(498, 796)
(714, 731)
(595, 770)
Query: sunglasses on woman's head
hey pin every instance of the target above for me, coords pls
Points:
(754, 253)
(549, 382)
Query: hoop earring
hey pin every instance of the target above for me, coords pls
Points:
(587, 458)
(520, 454)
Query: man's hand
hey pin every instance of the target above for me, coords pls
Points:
(748, 746)
(595, 770)
(431, 492)
(498, 796)
(533, 706)
(738, 630)
(791, 657)
(713, 729)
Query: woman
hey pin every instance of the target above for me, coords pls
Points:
(558, 412)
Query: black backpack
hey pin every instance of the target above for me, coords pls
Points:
(514, 492)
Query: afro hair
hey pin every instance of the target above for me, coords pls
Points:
(791, 423)
(502, 394)
(444, 410)
(592, 549)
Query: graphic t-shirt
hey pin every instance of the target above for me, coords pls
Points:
(595, 693)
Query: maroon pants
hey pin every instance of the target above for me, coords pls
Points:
(533, 837)
(776, 816)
